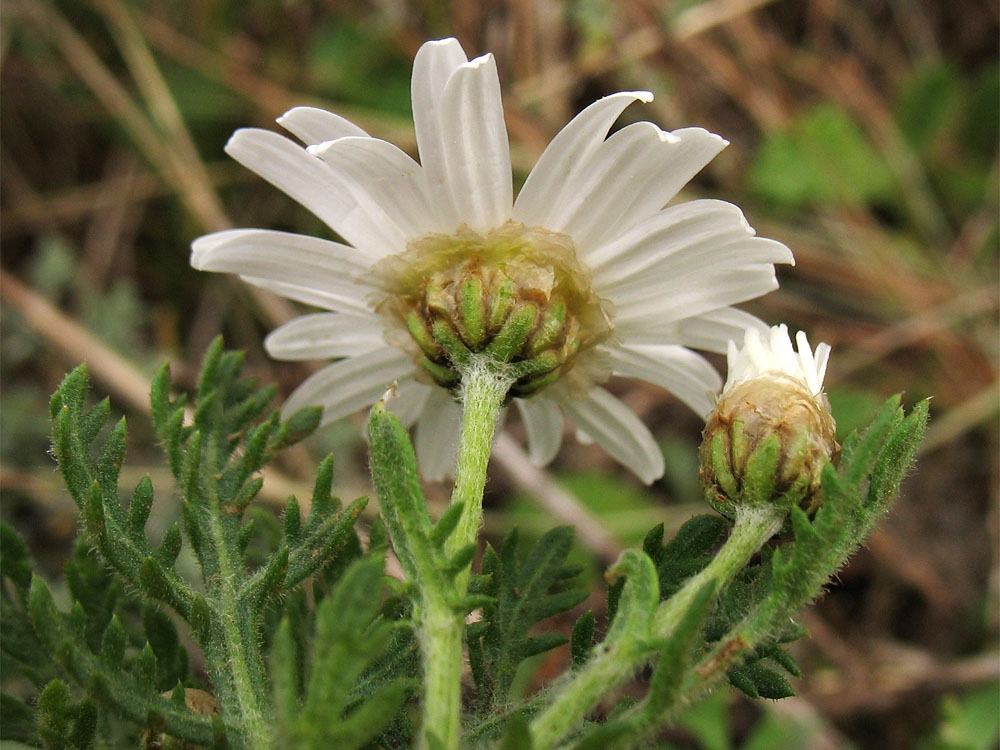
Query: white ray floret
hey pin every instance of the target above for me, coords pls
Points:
(772, 354)
(666, 277)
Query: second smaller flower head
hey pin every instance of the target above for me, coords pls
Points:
(771, 432)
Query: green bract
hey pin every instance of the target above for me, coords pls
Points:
(515, 294)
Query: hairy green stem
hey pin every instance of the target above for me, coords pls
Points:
(485, 384)
(441, 640)
(612, 665)
(753, 526)
(239, 666)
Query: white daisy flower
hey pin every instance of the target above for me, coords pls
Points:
(607, 280)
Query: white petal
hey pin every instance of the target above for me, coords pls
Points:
(543, 421)
(314, 125)
(690, 265)
(808, 361)
(410, 400)
(351, 384)
(386, 176)
(311, 270)
(432, 67)
(325, 336)
(822, 357)
(721, 288)
(549, 182)
(437, 435)
(312, 183)
(772, 353)
(682, 372)
(474, 145)
(678, 162)
(711, 331)
(620, 432)
(698, 223)
(628, 179)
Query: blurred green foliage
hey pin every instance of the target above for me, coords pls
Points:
(969, 721)
(822, 159)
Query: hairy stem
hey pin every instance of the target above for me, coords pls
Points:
(753, 527)
(238, 665)
(485, 384)
(611, 666)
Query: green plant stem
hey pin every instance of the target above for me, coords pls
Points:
(441, 641)
(753, 526)
(485, 384)
(240, 663)
(612, 665)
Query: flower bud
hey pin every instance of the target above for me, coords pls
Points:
(771, 432)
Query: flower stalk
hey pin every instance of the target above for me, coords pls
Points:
(636, 643)
(485, 384)
(438, 562)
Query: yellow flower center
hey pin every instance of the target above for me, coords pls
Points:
(517, 294)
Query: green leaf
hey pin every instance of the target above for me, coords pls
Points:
(968, 721)
(211, 363)
(322, 542)
(170, 546)
(15, 563)
(20, 722)
(823, 158)
(93, 421)
(461, 560)
(516, 735)
(285, 680)
(346, 642)
(139, 509)
(297, 427)
(708, 720)
(758, 681)
(691, 549)
(446, 524)
(927, 104)
(521, 595)
(639, 597)
(352, 62)
(62, 723)
(582, 639)
(404, 509)
(114, 641)
(171, 656)
(292, 518)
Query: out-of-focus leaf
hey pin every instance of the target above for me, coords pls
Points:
(823, 158)
(354, 64)
(927, 104)
(773, 732)
(968, 722)
(854, 408)
(708, 721)
(200, 98)
(982, 116)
